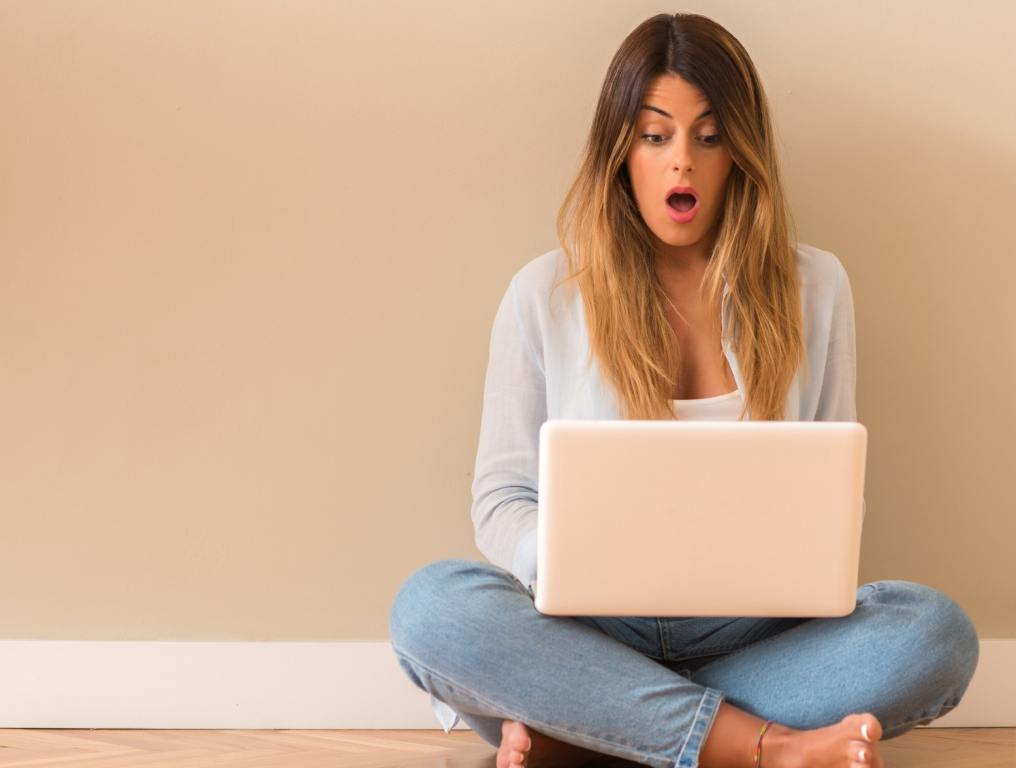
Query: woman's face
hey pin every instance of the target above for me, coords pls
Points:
(679, 148)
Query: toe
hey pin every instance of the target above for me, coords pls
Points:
(520, 740)
(871, 728)
(862, 753)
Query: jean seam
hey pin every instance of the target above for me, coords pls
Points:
(691, 730)
(713, 650)
(708, 650)
(918, 721)
(546, 728)
(710, 694)
(699, 652)
(944, 709)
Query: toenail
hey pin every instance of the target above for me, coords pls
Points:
(864, 731)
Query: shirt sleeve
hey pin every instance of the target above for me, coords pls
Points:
(838, 399)
(504, 489)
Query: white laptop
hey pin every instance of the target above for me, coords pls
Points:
(699, 518)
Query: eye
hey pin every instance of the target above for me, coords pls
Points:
(708, 140)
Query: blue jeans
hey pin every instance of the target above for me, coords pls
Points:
(647, 689)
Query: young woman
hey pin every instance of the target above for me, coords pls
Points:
(689, 298)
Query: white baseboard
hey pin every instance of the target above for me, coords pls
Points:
(326, 685)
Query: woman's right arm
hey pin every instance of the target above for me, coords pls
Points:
(514, 407)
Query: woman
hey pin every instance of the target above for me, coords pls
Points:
(700, 307)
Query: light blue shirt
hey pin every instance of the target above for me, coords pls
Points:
(537, 370)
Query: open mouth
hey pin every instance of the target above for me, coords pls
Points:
(682, 201)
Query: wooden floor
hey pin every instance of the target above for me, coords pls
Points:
(123, 748)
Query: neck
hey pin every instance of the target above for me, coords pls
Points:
(681, 277)
(682, 263)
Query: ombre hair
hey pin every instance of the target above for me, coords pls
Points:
(609, 248)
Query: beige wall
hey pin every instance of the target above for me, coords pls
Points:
(250, 254)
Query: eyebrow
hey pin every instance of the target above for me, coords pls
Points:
(665, 114)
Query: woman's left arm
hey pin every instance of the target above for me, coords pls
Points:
(838, 400)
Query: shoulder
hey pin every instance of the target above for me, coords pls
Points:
(540, 286)
(825, 285)
(818, 268)
(536, 276)
(826, 296)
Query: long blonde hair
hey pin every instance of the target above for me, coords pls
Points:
(610, 253)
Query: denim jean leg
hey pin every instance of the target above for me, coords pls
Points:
(905, 654)
(487, 728)
(468, 633)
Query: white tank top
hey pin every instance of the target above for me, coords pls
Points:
(720, 408)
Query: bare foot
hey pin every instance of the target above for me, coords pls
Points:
(524, 747)
(850, 743)
(515, 745)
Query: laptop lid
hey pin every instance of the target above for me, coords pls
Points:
(699, 518)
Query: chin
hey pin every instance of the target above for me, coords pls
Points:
(685, 236)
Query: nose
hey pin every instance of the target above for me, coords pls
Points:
(682, 150)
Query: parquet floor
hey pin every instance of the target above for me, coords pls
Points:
(132, 748)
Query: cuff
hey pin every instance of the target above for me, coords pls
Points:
(701, 726)
(524, 562)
